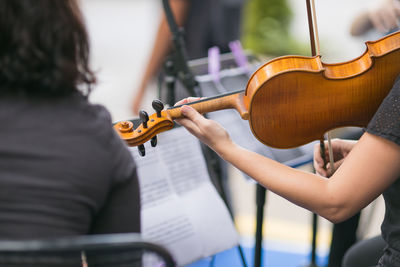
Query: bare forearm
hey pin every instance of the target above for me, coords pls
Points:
(161, 47)
(162, 43)
(302, 188)
(359, 180)
(361, 25)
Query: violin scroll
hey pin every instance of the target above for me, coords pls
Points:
(148, 129)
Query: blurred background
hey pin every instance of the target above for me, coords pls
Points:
(122, 33)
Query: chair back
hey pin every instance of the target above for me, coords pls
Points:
(111, 250)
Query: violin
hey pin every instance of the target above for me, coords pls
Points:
(293, 100)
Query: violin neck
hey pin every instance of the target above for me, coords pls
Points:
(232, 100)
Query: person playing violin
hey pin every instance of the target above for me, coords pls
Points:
(381, 17)
(365, 169)
(63, 169)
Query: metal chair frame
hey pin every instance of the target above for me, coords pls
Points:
(97, 250)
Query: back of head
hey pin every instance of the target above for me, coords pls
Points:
(44, 48)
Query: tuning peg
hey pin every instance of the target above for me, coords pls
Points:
(142, 150)
(158, 107)
(153, 141)
(144, 118)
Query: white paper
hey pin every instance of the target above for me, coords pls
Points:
(181, 208)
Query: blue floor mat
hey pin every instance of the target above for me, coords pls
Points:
(271, 258)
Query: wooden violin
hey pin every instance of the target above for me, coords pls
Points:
(293, 100)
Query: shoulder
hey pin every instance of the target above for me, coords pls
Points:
(396, 88)
(81, 104)
(98, 123)
(386, 121)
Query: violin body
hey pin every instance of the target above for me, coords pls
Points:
(293, 100)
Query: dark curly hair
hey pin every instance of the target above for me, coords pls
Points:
(44, 48)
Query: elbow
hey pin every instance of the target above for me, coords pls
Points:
(336, 216)
(337, 212)
(337, 205)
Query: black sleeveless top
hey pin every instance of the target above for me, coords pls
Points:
(386, 123)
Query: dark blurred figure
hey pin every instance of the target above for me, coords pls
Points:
(207, 23)
(63, 170)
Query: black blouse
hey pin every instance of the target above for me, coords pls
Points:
(63, 170)
(386, 123)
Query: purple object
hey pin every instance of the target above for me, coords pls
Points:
(214, 64)
(238, 53)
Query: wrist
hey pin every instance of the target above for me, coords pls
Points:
(226, 149)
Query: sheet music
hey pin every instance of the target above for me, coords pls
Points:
(181, 209)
